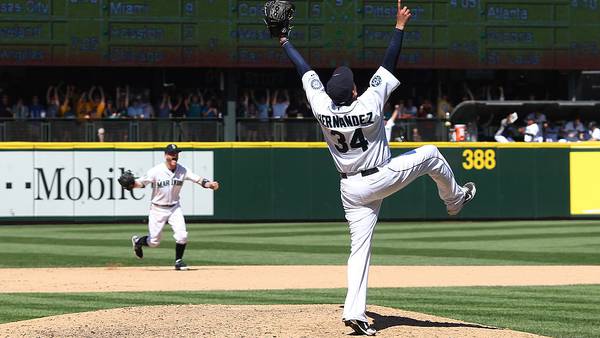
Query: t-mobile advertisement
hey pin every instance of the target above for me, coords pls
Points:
(84, 183)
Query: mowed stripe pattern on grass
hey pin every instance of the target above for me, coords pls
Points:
(566, 311)
(406, 243)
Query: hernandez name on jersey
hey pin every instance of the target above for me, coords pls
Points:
(355, 134)
(332, 121)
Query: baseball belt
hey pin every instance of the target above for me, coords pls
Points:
(363, 173)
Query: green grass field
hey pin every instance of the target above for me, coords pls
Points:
(569, 311)
(410, 243)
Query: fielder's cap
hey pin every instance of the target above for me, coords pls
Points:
(172, 149)
(340, 86)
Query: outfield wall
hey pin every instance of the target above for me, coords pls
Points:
(290, 181)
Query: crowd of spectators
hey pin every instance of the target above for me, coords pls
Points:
(538, 128)
(256, 106)
(277, 104)
(272, 103)
(69, 101)
(72, 102)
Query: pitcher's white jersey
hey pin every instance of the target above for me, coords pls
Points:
(166, 185)
(355, 134)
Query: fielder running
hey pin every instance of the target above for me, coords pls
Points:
(167, 180)
(354, 130)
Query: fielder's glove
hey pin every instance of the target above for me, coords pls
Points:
(126, 180)
(278, 16)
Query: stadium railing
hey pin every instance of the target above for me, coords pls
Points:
(115, 130)
(308, 130)
(196, 130)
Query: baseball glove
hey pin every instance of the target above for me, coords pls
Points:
(278, 16)
(126, 180)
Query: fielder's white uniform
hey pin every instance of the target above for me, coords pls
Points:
(356, 138)
(389, 125)
(165, 207)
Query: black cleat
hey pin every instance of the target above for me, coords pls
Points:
(469, 195)
(137, 249)
(180, 265)
(360, 327)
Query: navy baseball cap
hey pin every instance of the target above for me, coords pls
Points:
(341, 85)
(172, 149)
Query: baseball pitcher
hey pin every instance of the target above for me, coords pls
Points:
(353, 127)
(166, 180)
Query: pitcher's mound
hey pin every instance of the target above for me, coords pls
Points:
(243, 321)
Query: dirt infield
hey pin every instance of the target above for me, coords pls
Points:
(263, 320)
(280, 277)
(243, 321)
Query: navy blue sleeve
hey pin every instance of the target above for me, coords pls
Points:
(391, 54)
(301, 66)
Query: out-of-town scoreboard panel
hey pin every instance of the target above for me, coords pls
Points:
(471, 34)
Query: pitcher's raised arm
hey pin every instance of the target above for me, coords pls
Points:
(393, 51)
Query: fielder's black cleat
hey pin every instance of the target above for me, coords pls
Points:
(360, 327)
(180, 265)
(137, 248)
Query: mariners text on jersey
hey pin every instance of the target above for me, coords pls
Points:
(167, 183)
(332, 121)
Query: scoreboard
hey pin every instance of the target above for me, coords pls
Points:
(464, 34)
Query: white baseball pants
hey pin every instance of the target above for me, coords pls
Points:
(157, 219)
(362, 197)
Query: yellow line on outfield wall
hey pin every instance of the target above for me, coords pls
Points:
(222, 145)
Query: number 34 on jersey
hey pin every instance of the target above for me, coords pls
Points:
(357, 141)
